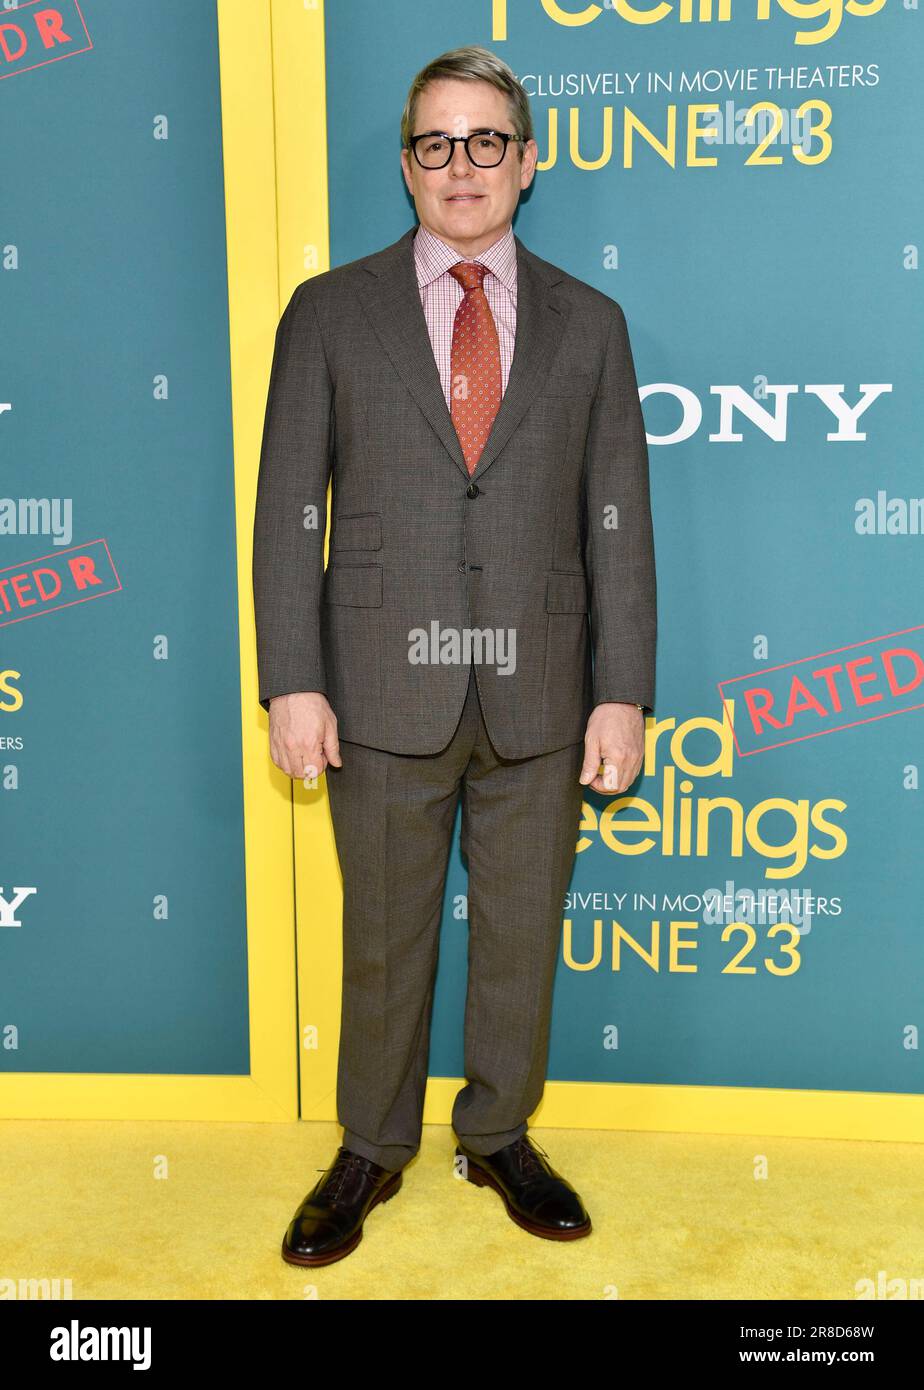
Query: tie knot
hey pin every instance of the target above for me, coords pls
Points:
(469, 274)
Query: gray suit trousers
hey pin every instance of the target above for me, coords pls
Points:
(393, 816)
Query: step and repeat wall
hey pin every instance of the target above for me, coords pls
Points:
(744, 180)
(123, 943)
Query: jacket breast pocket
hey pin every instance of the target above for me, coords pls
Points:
(355, 585)
(566, 592)
(356, 531)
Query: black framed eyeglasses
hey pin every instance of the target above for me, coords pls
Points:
(485, 148)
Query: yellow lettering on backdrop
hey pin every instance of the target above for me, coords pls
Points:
(705, 11)
(678, 944)
(632, 123)
(699, 11)
(634, 16)
(697, 132)
(565, 17)
(652, 956)
(568, 946)
(821, 130)
(574, 136)
(679, 821)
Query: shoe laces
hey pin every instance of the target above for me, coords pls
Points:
(342, 1163)
(528, 1160)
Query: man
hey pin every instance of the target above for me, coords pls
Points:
(477, 411)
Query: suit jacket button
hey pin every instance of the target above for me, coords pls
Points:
(461, 566)
(472, 490)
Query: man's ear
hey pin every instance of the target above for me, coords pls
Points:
(530, 160)
(406, 171)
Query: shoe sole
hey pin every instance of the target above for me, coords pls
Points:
(329, 1257)
(480, 1178)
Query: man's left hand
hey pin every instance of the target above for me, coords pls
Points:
(616, 737)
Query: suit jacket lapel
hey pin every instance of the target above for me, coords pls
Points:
(391, 298)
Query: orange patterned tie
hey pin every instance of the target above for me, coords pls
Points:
(475, 363)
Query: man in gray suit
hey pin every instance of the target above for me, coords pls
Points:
(476, 412)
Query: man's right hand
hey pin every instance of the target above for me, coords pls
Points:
(303, 734)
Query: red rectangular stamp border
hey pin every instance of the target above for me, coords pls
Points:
(71, 52)
(821, 733)
(100, 540)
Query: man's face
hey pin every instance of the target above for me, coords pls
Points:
(467, 207)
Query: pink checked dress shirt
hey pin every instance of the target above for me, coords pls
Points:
(441, 295)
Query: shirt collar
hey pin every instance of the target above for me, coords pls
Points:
(432, 258)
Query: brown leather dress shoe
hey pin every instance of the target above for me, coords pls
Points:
(536, 1197)
(329, 1222)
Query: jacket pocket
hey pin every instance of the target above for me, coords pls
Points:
(356, 585)
(356, 531)
(566, 592)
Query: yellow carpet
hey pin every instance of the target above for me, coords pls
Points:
(676, 1216)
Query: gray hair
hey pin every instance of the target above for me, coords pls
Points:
(473, 64)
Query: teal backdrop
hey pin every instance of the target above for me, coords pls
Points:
(793, 274)
(120, 760)
(122, 796)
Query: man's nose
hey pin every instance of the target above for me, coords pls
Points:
(460, 162)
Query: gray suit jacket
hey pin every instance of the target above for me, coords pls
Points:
(552, 532)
